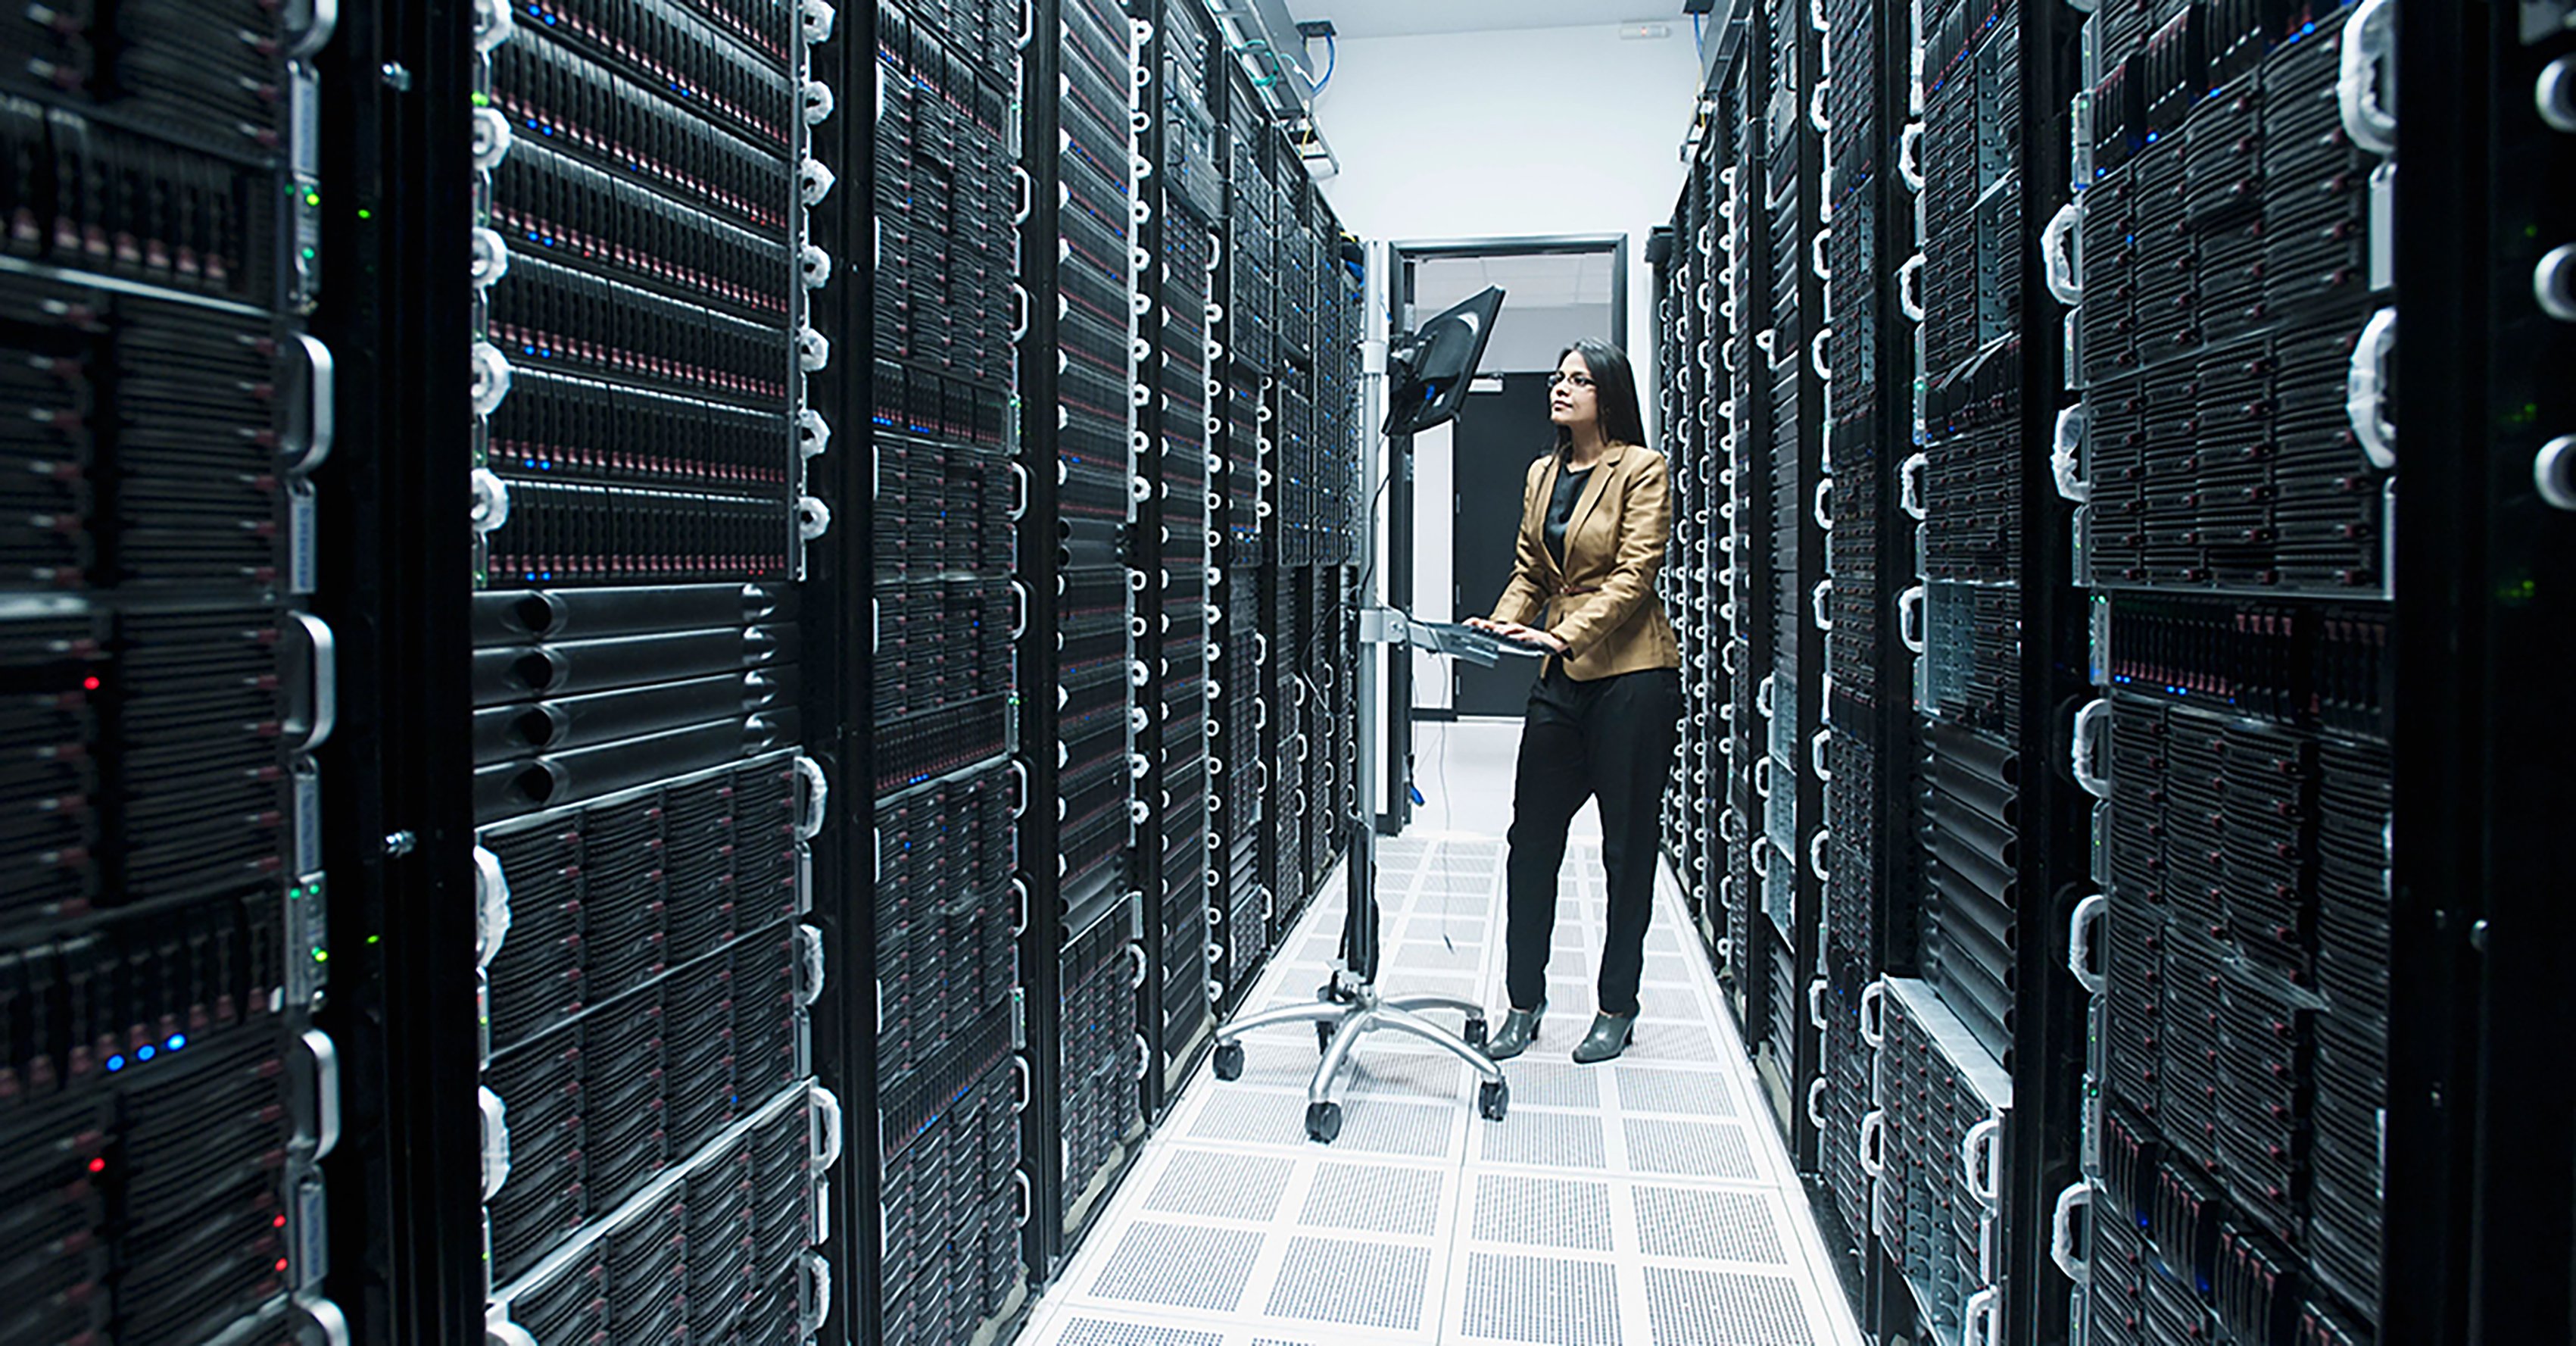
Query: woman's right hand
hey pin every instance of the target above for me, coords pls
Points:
(1480, 624)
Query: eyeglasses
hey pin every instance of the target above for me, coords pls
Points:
(1578, 380)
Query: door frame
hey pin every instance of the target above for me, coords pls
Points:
(1400, 712)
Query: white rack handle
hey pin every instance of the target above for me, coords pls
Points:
(1020, 803)
(1909, 286)
(2079, 941)
(1873, 1143)
(1817, 598)
(1816, 108)
(1982, 1180)
(2366, 388)
(2065, 456)
(1911, 476)
(1024, 1085)
(1816, 753)
(2064, 281)
(496, 1141)
(1762, 851)
(1816, 854)
(2553, 472)
(2061, 1233)
(492, 906)
(2089, 724)
(827, 1108)
(1136, 979)
(2367, 36)
(1816, 353)
(1909, 618)
(1873, 1014)
(1816, 1003)
(818, 1283)
(1028, 1197)
(1909, 156)
(1978, 1318)
(818, 794)
(1816, 1102)
(1762, 776)
(1762, 695)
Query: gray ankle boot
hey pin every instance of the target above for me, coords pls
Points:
(1519, 1030)
(1610, 1035)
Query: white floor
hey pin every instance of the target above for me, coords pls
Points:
(1647, 1202)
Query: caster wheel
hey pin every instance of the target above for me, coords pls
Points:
(1493, 1099)
(1229, 1060)
(1323, 1037)
(1475, 1034)
(1324, 1121)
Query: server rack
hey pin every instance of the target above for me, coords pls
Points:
(170, 1094)
(1087, 949)
(643, 295)
(947, 909)
(1183, 203)
(2163, 625)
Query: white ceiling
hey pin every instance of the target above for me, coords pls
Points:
(1406, 18)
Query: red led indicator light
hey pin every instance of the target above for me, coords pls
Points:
(90, 683)
(281, 1264)
(277, 1222)
(98, 1166)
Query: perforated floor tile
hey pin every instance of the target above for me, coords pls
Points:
(1343, 1281)
(1210, 1182)
(1550, 1139)
(1543, 1212)
(1381, 1125)
(1552, 1301)
(1646, 1202)
(1689, 1093)
(1551, 1081)
(1378, 1198)
(1263, 1118)
(1180, 1266)
(1102, 1332)
(1708, 1224)
(1690, 1307)
(1691, 1149)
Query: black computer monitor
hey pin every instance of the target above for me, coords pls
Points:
(1427, 372)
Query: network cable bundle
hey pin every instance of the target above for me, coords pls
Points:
(166, 1098)
(654, 1138)
(949, 905)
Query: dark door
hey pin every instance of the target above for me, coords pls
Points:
(1495, 439)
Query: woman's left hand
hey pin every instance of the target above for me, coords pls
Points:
(1546, 638)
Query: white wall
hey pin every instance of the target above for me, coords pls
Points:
(1507, 135)
(1513, 134)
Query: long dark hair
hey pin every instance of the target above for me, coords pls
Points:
(1614, 391)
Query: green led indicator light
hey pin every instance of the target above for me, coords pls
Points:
(375, 939)
(321, 955)
(482, 100)
(311, 197)
(365, 214)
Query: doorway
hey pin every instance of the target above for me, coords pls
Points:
(1448, 552)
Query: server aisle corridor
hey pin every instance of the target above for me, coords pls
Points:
(1640, 1202)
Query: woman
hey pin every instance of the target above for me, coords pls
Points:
(1596, 517)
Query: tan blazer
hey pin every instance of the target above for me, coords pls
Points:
(1602, 603)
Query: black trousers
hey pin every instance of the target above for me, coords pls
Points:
(1612, 738)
